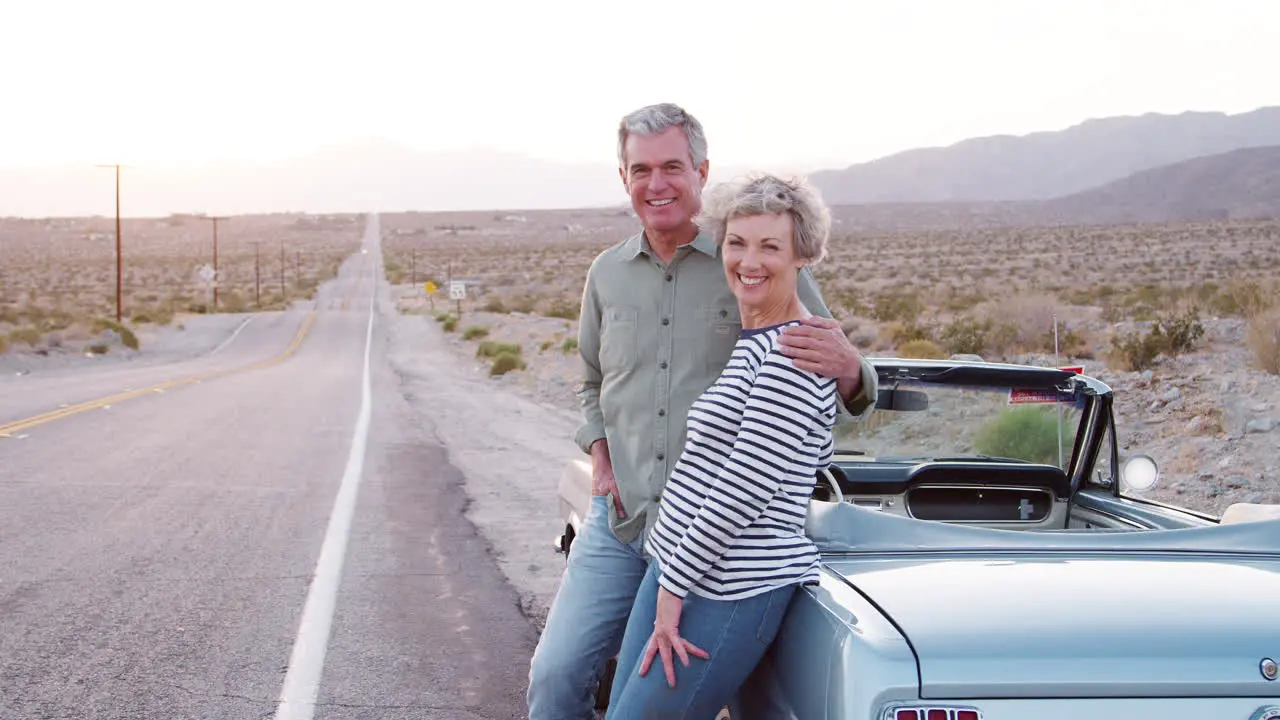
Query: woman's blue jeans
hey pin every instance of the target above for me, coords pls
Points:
(735, 633)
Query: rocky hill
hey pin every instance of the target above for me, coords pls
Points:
(1046, 165)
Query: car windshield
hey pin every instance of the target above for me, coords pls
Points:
(934, 421)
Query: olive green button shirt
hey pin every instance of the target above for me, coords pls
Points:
(652, 338)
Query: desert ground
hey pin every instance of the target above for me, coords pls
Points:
(1181, 320)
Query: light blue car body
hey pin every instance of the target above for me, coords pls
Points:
(1106, 607)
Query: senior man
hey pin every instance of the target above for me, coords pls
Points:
(657, 326)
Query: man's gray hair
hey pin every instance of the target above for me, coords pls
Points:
(765, 194)
(654, 119)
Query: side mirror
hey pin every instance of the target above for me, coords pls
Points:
(1139, 473)
(902, 400)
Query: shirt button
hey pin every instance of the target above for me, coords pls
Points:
(668, 278)
(661, 456)
(666, 321)
(663, 365)
(661, 412)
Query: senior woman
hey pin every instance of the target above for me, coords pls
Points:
(729, 547)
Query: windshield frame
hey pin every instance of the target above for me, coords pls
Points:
(1095, 415)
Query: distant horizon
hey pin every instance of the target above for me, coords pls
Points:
(396, 178)
(388, 142)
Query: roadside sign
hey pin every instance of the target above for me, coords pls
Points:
(457, 290)
(430, 287)
(1022, 396)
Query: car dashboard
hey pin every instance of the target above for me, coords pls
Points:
(985, 493)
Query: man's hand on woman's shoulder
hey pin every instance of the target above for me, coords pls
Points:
(818, 345)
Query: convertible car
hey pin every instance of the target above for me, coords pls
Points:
(987, 554)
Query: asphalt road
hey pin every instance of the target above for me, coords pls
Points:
(161, 557)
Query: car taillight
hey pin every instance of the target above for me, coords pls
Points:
(931, 712)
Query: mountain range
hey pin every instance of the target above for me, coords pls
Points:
(1153, 167)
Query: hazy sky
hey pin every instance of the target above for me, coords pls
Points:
(794, 82)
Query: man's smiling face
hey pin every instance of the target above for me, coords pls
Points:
(665, 187)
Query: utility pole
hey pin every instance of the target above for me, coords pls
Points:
(413, 266)
(297, 267)
(119, 266)
(283, 298)
(257, 273)
(217, 280)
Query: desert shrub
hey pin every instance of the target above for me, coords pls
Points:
(1179, 334)
(395, 271)
(232, 302)
(156, 315)
(28, 335)
(963, 300)
(98, 348)
(1026, 432)
(494, 305)
(492, 349)
(1134, 350)
(449, 323)
(54, 320)
(562, 308)
(545, 345)
(569, 345)
(523, 304)
(505, 362)
(849, 301)
(475, 332)
(4, 345)
(892, 305)
(905, 332)
(1030, 317)
(1241, 298)
(1263, 335)
(966, 335)
(926, 349)
(127, 337)
(1003, 338)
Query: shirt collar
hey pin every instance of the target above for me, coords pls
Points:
(638, 243)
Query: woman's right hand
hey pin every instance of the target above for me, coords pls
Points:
(666, 638)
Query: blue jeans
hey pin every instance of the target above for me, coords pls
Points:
(735, 633)
(584, 628)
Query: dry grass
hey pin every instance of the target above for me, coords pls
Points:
(1263, 335)
(58, 276)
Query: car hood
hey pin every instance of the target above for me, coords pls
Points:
(1027, 624)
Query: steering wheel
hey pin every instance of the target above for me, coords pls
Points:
(835, 486)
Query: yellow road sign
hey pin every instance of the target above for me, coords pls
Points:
(430, 288)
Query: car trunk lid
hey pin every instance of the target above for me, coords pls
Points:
(1061, 625)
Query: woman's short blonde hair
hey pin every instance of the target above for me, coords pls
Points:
(765, 194)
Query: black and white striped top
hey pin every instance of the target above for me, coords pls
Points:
(731, 519)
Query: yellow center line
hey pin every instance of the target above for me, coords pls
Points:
(18, 425)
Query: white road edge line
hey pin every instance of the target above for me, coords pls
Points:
(233, 335)
(306, 664)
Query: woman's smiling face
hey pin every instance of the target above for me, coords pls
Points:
(760, 261)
